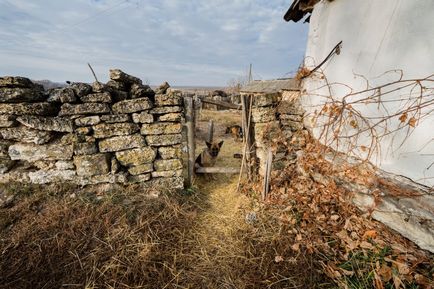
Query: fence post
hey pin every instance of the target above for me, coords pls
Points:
(210, 131)
(246, 103)
(190, 124)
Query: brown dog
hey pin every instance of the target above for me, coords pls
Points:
(208, 156)
(236, 131)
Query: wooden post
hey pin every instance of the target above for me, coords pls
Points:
(246, 103)
(267, 174)
(210, 131)
(190, 123)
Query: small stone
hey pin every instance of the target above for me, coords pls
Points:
(167, 184)
(62, 95)
(14, 177)
(91, 165)
(47, 123)
(161, 128)
(52, 176)
(4, 146)
(114, 118)
(25, 134)
(165, 109)
(292, 125)
(98, 86)
(293, 117)
(31, 152)
(172, 99)
(20, 95)
(167, 174)
(139, 178)
(116, 85)
(263, 114)
(87, 120)
(290, 107)
(85, 148)
(167, 165)
(97, 97)
(132, 105)
(44, 165)
(135, 157)
(164, 140)
(102, 179)
(120, 76)
(81, 89)
(82, 131)
(64, 165)
(162, 89)
(174, 152)
(119, 143)
(143, 117)
(7, 120)
(84, 108)
(175, 117)
(105, 130)
(115, 165)
(39, 108)
(141, 169)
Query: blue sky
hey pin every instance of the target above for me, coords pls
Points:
(192, 42)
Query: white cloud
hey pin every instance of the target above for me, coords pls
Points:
(185, 42)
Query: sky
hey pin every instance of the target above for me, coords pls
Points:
(194, 42)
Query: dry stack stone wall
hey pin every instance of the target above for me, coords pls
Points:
(119, 132)
(277, 119)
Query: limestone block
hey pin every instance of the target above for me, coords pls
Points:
(263, 114)
(17, 81)
(139, 178)
(115, 165)
(141, 169)
(165, 109)
(266, 132)
(90, 165)
(64, 165)
(175, 117)
(164, 140)
(103, 97)
(292, 125)
(84, 108)
(265, 99)
(167, 184)
(174, 152)
(167, 165)
(162, 89)
(161, 128)
(7, 120)
(4, 146)
(120, 178)
(119, 95)
(52, 176)
(137, 156)
(119, 143)
(62, 95)
(143, 117)
(83, 131)
(167, 174)
(20, 95)
(38, 108)
(138, 91)
(47, 123)
(114, 118)
(31, 152)
(290, 107)
(81, 89)
(44, 165)
(116, 85)
(98, 87)
(87, 120)
(293, 117)
(14, 177)
(25, 134)
(168, 99)
(132, 105)
(120, 76)
(105, 130)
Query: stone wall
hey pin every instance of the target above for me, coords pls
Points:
(119, 132)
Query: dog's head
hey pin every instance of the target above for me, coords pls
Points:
(214, 148)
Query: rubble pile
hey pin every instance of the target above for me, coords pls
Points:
(119, 132)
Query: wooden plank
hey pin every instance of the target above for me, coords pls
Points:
(190, 124)
(217, 170)
(249, 145)
(220, 103)
(210, 131)
(267, 175)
